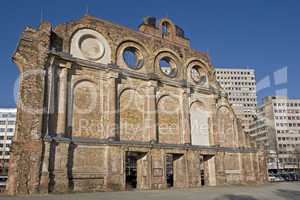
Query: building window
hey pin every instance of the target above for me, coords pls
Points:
(198, 75)
(132, 57)
(9, 137)
(11, 122)
(165, 28)
(167, 66)
(10, 130)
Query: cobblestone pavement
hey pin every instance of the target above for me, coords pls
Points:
(275, 191)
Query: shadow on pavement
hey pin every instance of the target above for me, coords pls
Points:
(235, 197)
(288, 194)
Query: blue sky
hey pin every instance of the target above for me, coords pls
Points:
(259, 34)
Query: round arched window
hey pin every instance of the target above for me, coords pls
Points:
(167, 66)
(133, 57)
(165, 28)
(198, 75)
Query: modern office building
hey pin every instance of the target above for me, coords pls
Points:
(240, 85)
(277, 127)
(7, 129)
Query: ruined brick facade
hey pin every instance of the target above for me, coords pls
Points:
(90, 120)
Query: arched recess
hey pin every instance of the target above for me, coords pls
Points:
(199, 124)
(131, 107)
(169, 120)
(86, 110)
(225, 124)
(91, 45)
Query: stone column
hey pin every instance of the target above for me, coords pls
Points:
(212, 121)
(187, 168)
(62, 99)
(111, 132)
(220, 170)
(212, 171)
(44, 182)
(186, 129)
(59, 180)
(243, 174)
(151, 111)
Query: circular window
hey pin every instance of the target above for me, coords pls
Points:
(133, 58)
(198, 75)
(91, 47)
(167, 66)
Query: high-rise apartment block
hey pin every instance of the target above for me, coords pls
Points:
(7, 129)
(277, 127)
(240, 85)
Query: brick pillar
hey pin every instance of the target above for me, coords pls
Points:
(212, 171)
(220, 170)
(45, 172)
(62, 99)
(151, 111)
(186, 130)
(31, 56)
(242, 166)
(111, 132)
(59, 180)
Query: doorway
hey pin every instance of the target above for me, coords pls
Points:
(134, 166)
(173, 171)
(204, 169)
(170, 170)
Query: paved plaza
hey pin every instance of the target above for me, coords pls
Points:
(275, 191)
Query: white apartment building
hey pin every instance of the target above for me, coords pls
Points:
(277, 127)
(7, 129)
(240, 85)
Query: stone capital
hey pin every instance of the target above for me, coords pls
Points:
(111, 74)
(152, 83)
(66, 65)
(187, 91)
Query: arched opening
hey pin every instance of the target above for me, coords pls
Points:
(167, 66)
(133, 57)
(131, 115)
(168, 115)
(199, 124)
(86, 112)
(226, 133)
(198, 75)
(165, 26)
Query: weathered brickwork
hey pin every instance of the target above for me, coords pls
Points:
(103, 107)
